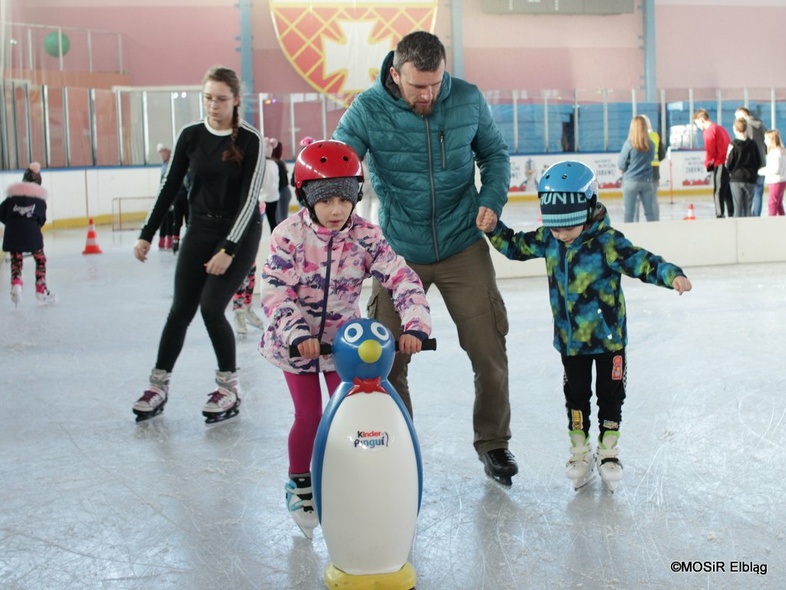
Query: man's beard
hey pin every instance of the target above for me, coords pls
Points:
(423, 111)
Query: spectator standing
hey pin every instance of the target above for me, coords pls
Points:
(635, 161)
(716, 146)
(284, 192)
(743, 163)
(755, 132)
(774, 171)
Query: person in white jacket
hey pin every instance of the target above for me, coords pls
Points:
(242, 300)
(774, 171)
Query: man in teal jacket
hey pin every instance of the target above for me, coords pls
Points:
(422, 133)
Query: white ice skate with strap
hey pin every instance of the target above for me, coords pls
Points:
(609, 465)
(154, 398)
(224, 402)
(580, 465)
(300, 503)
(253, 318)
(240, 323)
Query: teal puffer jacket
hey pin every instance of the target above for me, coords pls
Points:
(423, 168)
(585, 280)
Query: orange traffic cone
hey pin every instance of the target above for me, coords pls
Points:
(691, 214)
(91, 247)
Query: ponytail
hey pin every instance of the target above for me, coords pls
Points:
(233, 152)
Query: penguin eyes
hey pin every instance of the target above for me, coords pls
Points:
(354, 332)
(380, 331)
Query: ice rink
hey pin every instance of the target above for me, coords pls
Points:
(93, 500)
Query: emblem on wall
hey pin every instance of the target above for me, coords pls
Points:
(338, 47)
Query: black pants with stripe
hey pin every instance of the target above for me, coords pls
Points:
(197, 290)
(610, 378)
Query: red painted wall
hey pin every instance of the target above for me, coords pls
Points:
(173, 42)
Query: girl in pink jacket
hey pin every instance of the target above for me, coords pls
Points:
(312, 280)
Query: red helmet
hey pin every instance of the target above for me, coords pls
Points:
(326, 159)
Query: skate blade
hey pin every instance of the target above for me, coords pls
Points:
(144, 416)
(307, 532)
(580, 484)
(503, 481)
(216, 417)
(611, 486)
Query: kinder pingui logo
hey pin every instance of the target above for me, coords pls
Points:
(371, 439)
(338, 47)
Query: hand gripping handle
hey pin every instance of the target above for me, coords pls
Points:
(428, 344)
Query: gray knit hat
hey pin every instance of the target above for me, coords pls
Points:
(346, 187)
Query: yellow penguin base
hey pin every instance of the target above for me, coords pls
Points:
(403, 579)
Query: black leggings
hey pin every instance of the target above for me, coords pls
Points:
(611, 373)
(194, 289)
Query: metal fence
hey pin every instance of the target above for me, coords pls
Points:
(79, 127)
(31, 47)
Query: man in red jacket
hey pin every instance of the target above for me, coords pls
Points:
(716, 146)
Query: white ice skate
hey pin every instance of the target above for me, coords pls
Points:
(300, 503)
(580, 465)
(46, 297)
(609, 465)
(253, 318)
(240, 322)
(154, 398)
(16, 293)
(224, 402)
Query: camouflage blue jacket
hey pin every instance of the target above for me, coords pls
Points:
(585, 280)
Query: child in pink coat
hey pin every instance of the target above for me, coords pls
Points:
(312, 280)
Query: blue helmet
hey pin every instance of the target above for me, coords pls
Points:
(568, 193)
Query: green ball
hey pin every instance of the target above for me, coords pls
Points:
(54, 46)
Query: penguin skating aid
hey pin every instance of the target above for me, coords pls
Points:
(367, 472)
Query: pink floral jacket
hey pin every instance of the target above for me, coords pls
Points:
(312, 280)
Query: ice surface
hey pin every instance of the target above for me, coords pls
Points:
(91, 499)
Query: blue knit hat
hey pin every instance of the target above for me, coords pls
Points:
(568, 191)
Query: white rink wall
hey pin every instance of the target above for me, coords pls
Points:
(77, 195)
(703, 242)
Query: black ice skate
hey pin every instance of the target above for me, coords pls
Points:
(500, 466)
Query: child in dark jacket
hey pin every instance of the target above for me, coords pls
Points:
(24, 213)
(743, 162)
(585, 260)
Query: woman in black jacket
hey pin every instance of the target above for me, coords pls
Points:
(223, 154)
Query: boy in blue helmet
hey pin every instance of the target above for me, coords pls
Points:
(585, 261)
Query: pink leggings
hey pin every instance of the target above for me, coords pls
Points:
(307, 397)
(242, 297)
(17, 262)
(776, 198)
